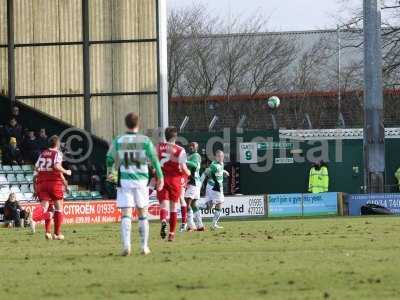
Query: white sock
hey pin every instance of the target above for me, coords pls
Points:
(217, 215)
(198, 219)
(144, 232)
(126, 224)
(190, 218)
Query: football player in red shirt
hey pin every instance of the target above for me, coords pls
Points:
(49, 183)
(173, 163)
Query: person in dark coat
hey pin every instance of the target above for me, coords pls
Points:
(43, 139)
(15, 114)
(14, 212)
(13, 129)
(31, 147)
(12, 154)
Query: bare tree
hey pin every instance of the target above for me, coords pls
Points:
(204, 68)
(192, 52)
(180, 22)
(390, 36)
(234, 53)
(271, 57)
(312, 67)
(207, 58)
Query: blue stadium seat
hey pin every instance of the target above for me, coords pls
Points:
(17, 169)
(73, 187)
(28, 196)
(11, 179)
(15, 189)
(3, 196)
(25, 188)
(19, 196)
(96, 195)
(72, 195)
(27, 168)
(3, 179)
(85, 195)
(6, 169)
(5, 190)
(29, 178)
(21, 178)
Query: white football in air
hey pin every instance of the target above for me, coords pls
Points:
(274, 102)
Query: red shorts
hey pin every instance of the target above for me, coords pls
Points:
(50, 191)
(172, 189)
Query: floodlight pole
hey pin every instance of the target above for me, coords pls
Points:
(339, 69)
(162, 62)
(374, 132)
(11, 50)
(86, 66)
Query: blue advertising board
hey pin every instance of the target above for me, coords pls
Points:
(298, 205)
(323, 204)
(390, 201)
(285, 205)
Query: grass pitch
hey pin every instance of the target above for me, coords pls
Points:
(336, 258)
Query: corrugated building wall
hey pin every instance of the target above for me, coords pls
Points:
(117, 67)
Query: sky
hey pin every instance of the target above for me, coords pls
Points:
(283, 15)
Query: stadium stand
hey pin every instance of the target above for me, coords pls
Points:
(16, 179)
(19, 180)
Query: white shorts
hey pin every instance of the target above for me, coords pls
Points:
(192, 192)
(133, 197)
(214, 196)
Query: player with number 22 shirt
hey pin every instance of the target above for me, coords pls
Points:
(49, 184)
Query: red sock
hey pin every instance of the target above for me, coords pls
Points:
(163, 214)
(184, 214)
(58, 219)
(47, 220)
(47, 225)
(173, 219)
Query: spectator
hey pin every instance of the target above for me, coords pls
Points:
(2, 136)
(95, 183)
(397, 175)
(43, 139)
(30, 147)
(15, 114)
(13, 129)
(12, 154)
(14, 212)
(319, 178)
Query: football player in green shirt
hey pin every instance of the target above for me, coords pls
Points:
(128, 157)
(214, 191)
(193, 188)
